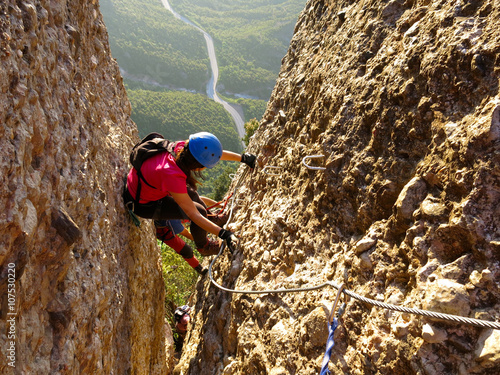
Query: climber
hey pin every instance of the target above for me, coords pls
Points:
(182, 319)
(169, 191)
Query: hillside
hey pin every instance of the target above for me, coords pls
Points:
(158, 53)
(401, 99)
(148, 41)
(250, 41)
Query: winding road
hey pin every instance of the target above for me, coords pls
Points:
(212, 84)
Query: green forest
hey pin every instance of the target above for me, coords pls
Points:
(178, 114)
(250, 37)
(148, 41)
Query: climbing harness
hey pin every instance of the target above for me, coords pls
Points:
(313, 157)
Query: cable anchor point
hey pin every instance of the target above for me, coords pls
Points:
(313, 157)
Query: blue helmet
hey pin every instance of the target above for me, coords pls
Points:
(206, 148)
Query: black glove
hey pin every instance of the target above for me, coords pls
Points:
(230, 238)
(249, 160)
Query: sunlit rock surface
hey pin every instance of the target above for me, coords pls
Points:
(401, 99)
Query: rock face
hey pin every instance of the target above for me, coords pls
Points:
(81, 288)
(401, 100)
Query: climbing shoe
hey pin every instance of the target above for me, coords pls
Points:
(211, 248)
(218, 219)
(201, 270)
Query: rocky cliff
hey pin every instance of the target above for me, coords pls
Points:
(401, 99)
(80, 292)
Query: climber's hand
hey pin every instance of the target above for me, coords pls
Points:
(249, 159)
(230, 238)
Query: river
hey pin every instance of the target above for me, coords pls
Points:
(212, 84)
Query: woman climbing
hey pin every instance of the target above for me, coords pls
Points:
(170, 183)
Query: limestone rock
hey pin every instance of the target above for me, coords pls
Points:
(88, 290)
(65, 226)
(432, 208)
(364, 244)
(448, 297)
(314, 330)
(488, 349)
(410, 198)
(432, 334)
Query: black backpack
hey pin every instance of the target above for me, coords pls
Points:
(151, 145)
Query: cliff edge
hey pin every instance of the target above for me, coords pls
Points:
(80, 292)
